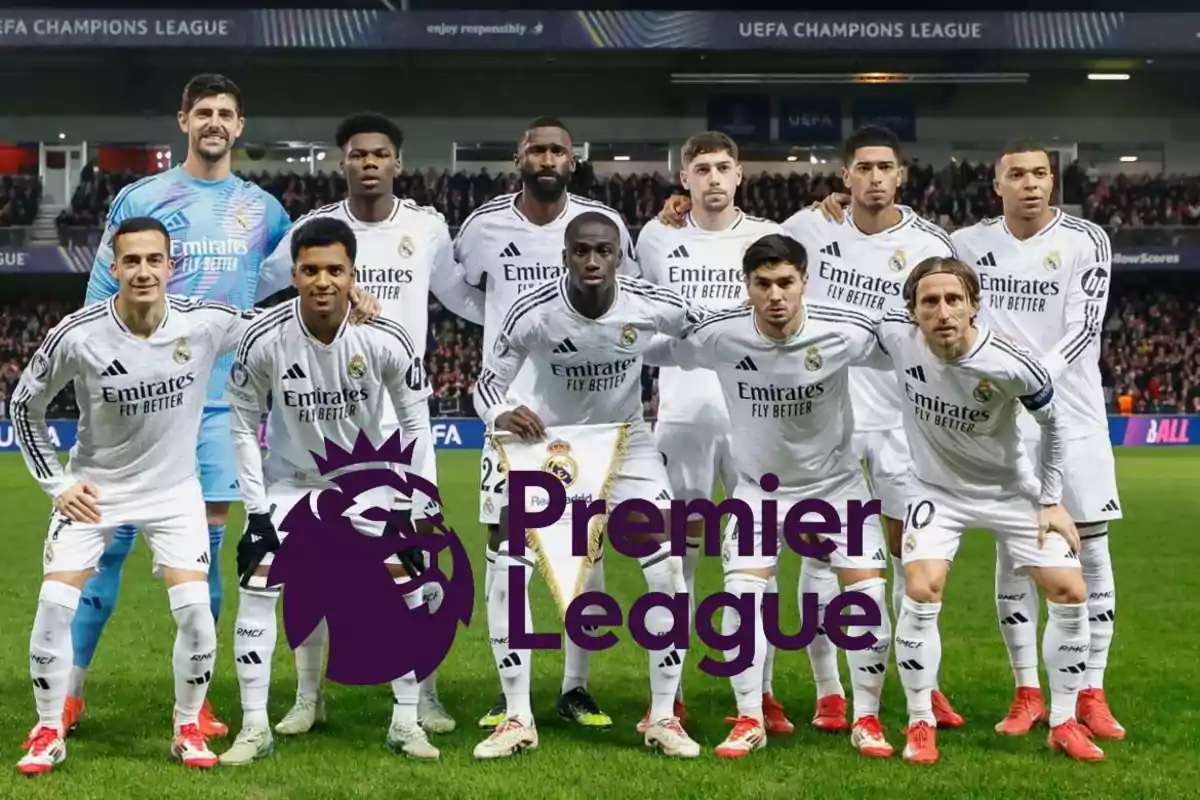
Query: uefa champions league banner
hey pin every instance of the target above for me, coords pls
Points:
(385, 29)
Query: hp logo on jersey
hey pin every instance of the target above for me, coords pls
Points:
(1095, 282)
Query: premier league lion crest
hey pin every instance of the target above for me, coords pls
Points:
(331, 571)
(559, 463)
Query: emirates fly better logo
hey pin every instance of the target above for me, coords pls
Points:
(331, 571)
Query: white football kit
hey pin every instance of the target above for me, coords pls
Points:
(789, 401)
(589, 371)
(140, 404)
(1049, 293)
(499, 245)
(867, 272)
(692, 428)
(400, 261)
(969, 465)
(320, 393)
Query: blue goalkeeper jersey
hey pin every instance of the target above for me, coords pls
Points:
(221, 231)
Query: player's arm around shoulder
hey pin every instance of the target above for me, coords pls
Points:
(449, 281)
(502, 362)
(1086, 289)
(859, 332)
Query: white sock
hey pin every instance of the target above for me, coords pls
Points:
(868, 667)
(1065, 648)
(747, 684)
(575, 658)
(691, 559)
(1017, 613)
(50, 651)
(514, 666)
(769, 662)
(433, 594)
(899, 586)
(195, 653)
(406, 689)
(663, 573)
(817, 578)
(76, 682)
(489, 578)
(1102, 601)
(919, 656)
(255, 632)
(310, 658)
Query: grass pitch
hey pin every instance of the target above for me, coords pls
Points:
(121, 749)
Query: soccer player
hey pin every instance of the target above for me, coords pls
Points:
(862, 256)
(783, 366)
(222, 227)
(327, 379)
(515, 243)
(404, 251)
(961, 384)
(139, 363)
(699, 261)
(1044, 276)
(590, 322)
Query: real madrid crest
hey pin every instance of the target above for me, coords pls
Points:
(628, 335)
(1053, 261)
(239, 217)
(39, 365)
(898, 261)
(559, 463)
(406, 248)
(910, 543)
(182, 353)
(813, 360)
(357, 366)
(238, 374)
(984, 391)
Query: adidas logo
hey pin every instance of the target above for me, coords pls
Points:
(987, 261)
(672, 660)
(911, 664)
(832, 250)
(1077, 669)
(747, 364)
(1111, 505)
(567, 346)
(874, 669)
(916, 372)
(664, 495)
(679, 252)
(879, 556)
(249, 658)
(1016, 619)
(510, 251)
(203, 679)
(203, 559)
(511, 660)
(294, 372)
(114, 369)
(1104, 616)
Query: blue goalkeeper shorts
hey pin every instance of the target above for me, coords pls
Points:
(216, 458)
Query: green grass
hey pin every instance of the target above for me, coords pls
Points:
(120, 751)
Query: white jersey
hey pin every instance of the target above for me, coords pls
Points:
(498, 243)
(140, 399)
(400, 261)
(788, 400)
(706, 268)
(961, 416)
(589, 371)
(1049, 293)
(320, 392)
(866, 272)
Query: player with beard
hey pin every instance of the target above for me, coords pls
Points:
(512, 245)
(589, 319)
(860, 259)
(1045, 276)
(701, 261)
(404, 253)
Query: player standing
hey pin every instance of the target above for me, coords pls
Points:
(328, 380)
(588, 322)
(404, 252)
(139, 363)
(1044, 276)
(783, 366)
(701, 261)
(962, 382)
(515, 243)
(222, 227)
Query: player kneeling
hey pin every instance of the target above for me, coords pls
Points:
(139, 363)
(962, 383)
(328, 379)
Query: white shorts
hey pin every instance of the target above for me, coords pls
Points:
(889, 467)
(173, 523)
(873, 555)
(1089, 478)
(695, 456)
(939, 518)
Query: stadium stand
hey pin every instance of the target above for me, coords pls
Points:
(19, 199)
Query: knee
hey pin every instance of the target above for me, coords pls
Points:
(922, 587)
(217, 514)
(1066, 589)
(495, 537)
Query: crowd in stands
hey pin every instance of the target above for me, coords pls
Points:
(20, 196)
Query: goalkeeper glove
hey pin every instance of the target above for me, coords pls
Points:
(258, 540)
